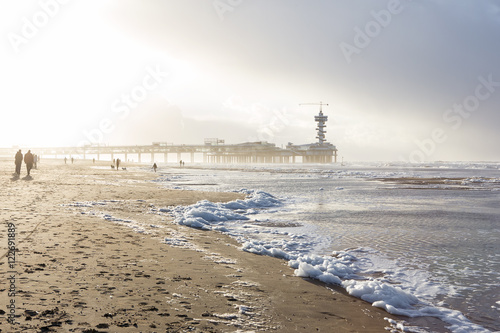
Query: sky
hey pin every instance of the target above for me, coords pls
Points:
(411, 80)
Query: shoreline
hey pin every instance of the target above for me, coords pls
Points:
(80, 272)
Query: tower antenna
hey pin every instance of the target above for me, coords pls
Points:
(321, 120)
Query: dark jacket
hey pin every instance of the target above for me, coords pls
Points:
(19, 157)
(28, 158)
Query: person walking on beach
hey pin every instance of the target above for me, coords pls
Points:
(35, 160)
(18, 161)
(155, 167)
(28, 159)
(117, 163)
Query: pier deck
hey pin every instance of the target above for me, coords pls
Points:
(250, 152)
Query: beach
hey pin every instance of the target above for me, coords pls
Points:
(117, 271)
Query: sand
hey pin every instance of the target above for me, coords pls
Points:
(77, 272)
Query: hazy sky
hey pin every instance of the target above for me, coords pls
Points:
(413, 80)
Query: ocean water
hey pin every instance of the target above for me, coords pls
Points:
(415, 240)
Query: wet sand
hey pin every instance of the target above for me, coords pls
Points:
(441, 183)
(107, 268)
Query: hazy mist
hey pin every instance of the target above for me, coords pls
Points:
(413, 80)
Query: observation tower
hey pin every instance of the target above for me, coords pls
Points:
(321, 151)
(321, 119)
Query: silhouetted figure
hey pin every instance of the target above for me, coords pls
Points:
(155, 167)
(117, 163)
(18, 161)
(28, 159)
(183, 163)
(65, 160)
(180, 163)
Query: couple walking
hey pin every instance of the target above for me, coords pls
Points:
(28, 159)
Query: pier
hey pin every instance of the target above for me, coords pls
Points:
(209, 152)
(213, 150)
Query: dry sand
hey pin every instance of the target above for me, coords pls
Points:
(77, 272)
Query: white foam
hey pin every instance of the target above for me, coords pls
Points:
(208, 215)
